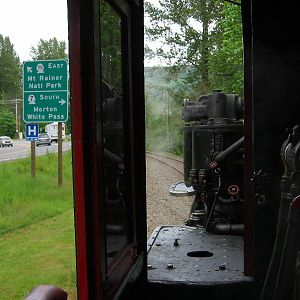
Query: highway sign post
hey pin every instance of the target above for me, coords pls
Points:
(32, 134)
(45, 91)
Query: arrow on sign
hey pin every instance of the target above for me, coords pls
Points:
(29, 69)
(62, 101)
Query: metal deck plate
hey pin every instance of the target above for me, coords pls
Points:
(199, 258)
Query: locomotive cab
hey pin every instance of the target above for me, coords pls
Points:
(232, 161)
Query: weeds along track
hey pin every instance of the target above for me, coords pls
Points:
(174, 163)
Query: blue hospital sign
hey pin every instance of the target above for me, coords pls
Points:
(32, 132)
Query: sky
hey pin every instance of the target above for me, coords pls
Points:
(25, 22)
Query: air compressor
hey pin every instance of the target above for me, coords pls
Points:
(214, 161)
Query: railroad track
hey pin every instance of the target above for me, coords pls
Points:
(174, 163)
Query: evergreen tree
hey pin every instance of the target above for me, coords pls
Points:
(10, 85)
(7, 122)
(10, 70)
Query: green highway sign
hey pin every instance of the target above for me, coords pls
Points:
(45, 91)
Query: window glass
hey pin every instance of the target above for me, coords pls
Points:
(116, 192)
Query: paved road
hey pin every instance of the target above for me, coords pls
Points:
(22, 149)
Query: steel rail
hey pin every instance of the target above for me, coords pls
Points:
(162, 158)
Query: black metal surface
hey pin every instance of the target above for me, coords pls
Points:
(188, 261)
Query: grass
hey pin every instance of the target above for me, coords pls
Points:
(24, 200)
(36, 228)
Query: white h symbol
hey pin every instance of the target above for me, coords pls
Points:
(32, 130)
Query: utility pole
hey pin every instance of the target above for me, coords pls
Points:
(17, 117)
(17, 129)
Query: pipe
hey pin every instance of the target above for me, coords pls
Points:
(112, 157)
(232, 229)
(230, 150)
